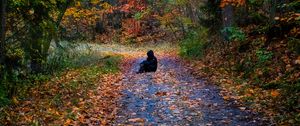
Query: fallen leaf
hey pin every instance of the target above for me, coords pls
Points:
(68, 122)
(136, 120)
(275, 93)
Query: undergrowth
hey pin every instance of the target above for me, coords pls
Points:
(60, 60)
(65, 92)
(194, 43)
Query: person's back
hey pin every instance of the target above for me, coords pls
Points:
(149, 65)
(152, 62)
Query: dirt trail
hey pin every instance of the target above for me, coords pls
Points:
(172, 96)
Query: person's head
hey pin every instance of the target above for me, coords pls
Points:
(150, 53)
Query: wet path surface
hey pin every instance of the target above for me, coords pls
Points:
(172, 96)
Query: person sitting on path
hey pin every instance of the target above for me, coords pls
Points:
(149, 65)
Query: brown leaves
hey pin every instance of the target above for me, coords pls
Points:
(81, 96)
(161, 93)
(297, 61)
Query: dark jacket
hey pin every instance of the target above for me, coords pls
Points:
(149, 65)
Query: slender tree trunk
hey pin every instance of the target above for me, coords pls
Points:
(2, 43)
(2, 30)
(228, 18)
(60, 17)
(35, 48)
(190, 12)
(272, 13)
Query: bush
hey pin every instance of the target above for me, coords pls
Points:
(70, 56)
(194, 43)
(58, 60)
(263, 56)
(3, 97)
(17, 81)
(233, 34)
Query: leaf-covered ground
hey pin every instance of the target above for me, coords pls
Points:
(105, 94)
(172, 96)
(86, 95)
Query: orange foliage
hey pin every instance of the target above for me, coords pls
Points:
(132, 26)
(232, 2)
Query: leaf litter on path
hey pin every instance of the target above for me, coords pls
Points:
(172, 96)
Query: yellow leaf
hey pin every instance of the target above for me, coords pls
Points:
(95, 1)
(15, 100)
(106, 5)
(78, 4)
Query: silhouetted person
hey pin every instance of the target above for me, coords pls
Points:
(149, 65)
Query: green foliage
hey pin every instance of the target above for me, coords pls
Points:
(60, 59)
(70, 56)
(210, 16)
(233, 34)
(186, 21)
(18, 81)
(15, 53)
(294, 5)
(130, 40)
(256, 3)
(257, 18)
(4, 100)
(138, 16)
(111, 64)
(178, 2)
(263, 55)
(194, 43)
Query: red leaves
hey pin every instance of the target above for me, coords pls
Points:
(132, 27)
(134, 6)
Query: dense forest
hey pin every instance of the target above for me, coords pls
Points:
(68, 62)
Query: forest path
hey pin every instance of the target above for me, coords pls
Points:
(96, 95)
(172, 96)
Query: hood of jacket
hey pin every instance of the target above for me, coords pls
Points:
(150, 54)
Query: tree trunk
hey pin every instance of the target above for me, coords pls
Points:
(2, 30)
(190, 12)
(60, 17)
(228, 18)
(272, 13)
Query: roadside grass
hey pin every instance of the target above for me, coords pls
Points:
(135, 49)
